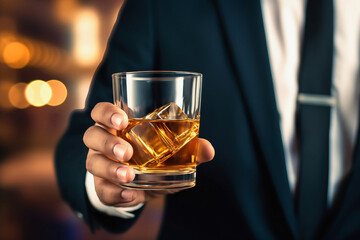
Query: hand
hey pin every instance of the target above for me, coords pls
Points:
(109, 174)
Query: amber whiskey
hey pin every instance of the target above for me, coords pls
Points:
(160, 144)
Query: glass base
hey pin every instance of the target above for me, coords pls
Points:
(161, 181)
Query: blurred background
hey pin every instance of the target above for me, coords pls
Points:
(49, 51)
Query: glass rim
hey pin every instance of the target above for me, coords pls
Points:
(176, 73)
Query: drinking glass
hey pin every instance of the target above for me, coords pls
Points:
(163, 108)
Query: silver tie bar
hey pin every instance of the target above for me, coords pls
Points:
(316, 99)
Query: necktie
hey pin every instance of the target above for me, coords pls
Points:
(313, 119)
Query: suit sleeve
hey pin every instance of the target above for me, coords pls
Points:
(131, 47)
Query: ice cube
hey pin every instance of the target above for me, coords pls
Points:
(155, 141)
(149, 144)
(168, 111)
(173, 133)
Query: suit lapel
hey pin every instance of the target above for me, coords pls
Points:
(246, 43)
(348, 195)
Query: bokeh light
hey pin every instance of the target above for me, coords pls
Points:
(86, 37)
(16, 55)
(38, 93)
(17, 97)
(59, 92)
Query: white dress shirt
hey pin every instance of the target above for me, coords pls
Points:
(284, 24)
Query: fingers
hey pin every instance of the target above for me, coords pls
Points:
(109, 115)
(112, 195)
(206, 151)
(101, 166)
(103, 145)
(98, 139)
(109, 174)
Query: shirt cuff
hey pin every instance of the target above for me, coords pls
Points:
(122, 212)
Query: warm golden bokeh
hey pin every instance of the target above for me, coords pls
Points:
(16, 55)
(38, 93)
(86, 39)
(17, 95)
(59, 92)
(48, 40)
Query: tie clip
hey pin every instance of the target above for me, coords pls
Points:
(316, 99)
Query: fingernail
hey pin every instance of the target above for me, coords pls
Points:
(121, 173)
(116, 120)
(127, 194)
(119, 151)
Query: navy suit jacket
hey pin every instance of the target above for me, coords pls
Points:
(244, 192)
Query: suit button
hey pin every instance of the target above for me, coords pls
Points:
(79, 215)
